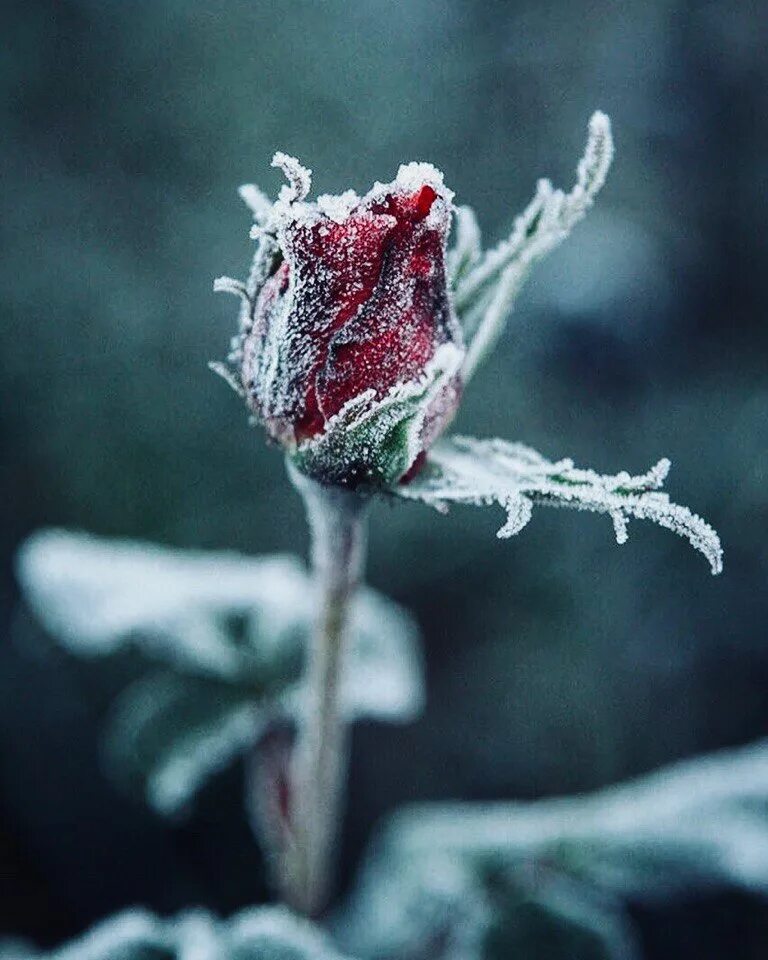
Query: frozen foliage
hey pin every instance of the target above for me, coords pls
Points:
(481, 472)
(225, 636)
(485, 285)
(266, 933)
(95, 595)
(349, 349)
(472, 875)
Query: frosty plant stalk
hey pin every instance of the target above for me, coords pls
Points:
(337, 523)
(359, 331)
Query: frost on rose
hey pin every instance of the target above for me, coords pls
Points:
(349, 350)
(360, 329)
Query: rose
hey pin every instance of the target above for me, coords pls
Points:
(350, 348)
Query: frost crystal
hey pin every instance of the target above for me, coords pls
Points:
(257, 202)
(481, 472)
(299, 179)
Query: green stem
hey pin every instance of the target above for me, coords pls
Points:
(337, 524)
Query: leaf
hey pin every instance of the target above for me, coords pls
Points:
(263, 933)
(486, 874)
(275, 934)
(488, 284)
(169, 733)
(390, 428)
(385, 676)
(556, 919)
(483, 472)
(97, 595)
(219, 615)
(233, 631)
(132, 935)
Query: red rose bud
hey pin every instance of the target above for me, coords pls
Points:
(350, 347)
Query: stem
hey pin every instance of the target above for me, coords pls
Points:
(336, 520)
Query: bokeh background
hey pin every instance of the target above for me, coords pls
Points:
(557, 662)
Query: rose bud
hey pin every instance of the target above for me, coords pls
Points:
(349, 350)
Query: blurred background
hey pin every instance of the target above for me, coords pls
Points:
(557, 662)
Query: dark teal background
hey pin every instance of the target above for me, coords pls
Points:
(557, 662)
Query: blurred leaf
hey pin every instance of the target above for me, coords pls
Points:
(218, 614)
(500, 876)
(268, 933)
(233, 630)
(16, 950)
(133, 935)
(554, 919)
(169, 733)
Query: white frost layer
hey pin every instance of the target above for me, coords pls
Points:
(517, 478)
(266, 933)
(97, 596)
(689, 827)
(293, 207)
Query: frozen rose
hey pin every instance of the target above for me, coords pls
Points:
(350, 347)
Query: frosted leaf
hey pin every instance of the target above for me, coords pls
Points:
(467, 248)
(169, 733)
(132, 935)
(257, 202)
(259, 933)
(484, 294)
(96, 595)
(299, 179)
(233, 628)
(483, 472)
(448, 870)
(386, 433)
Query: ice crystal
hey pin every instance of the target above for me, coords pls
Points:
(482, 472)
(257, 202)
